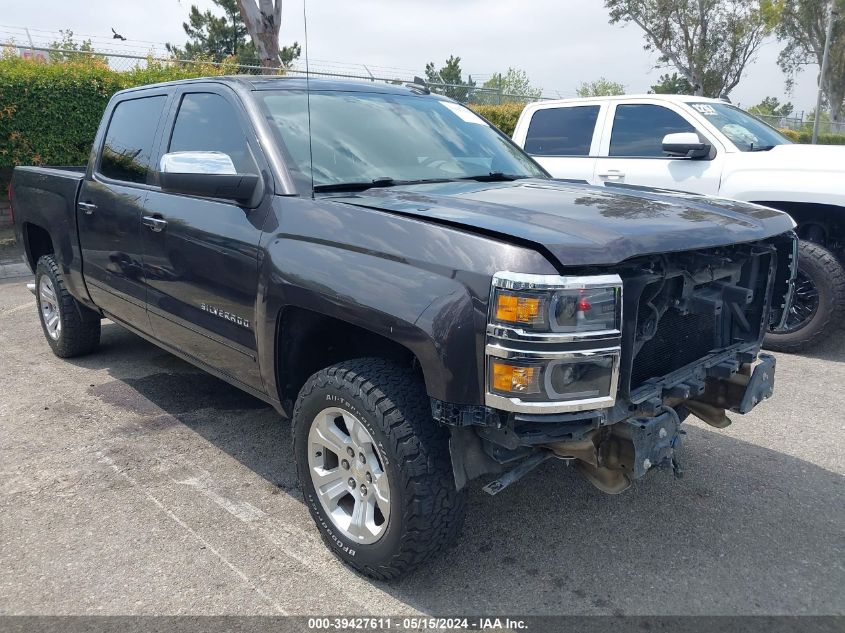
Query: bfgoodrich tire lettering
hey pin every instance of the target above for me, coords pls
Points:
(426, 512)
(70, 328)
(820, 270)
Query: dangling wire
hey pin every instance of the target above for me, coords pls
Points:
(308, 94)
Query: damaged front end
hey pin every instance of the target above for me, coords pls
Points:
(601, 370)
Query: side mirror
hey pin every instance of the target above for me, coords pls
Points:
(210, 174)
(686, 145)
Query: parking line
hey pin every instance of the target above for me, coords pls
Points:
(110, 462)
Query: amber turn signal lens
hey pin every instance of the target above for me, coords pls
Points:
(515, 379)
(513, 308)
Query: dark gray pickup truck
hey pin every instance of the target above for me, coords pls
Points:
(390, 272)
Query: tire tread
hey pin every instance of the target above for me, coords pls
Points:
(396, 397)
(80, 325)
(830, 320)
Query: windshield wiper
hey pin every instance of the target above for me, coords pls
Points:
(759, 148)
(357, 185)
(375, 183)
(494, 176)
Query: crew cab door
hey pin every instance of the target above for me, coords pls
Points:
(564, 138)
(201, 253)
(109, 208)
(631, 150)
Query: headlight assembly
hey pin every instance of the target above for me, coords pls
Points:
(538, 357)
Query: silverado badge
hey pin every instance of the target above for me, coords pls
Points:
(223, 314)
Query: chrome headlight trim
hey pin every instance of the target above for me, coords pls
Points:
(524, 281)
(517, 405)
(546, 346)
(507, 280)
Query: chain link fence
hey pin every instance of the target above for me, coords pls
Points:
(802, 123)
(460, 92)
(123, 63)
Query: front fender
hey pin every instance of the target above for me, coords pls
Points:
(432, 316)
(418, 284)
(813, 186)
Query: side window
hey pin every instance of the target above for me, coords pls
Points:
(562, 131)
(129, 139)
(208, 123)
(638, 129)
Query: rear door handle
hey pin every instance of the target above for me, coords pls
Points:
(156, 225)
(612, 174)
(87, 207)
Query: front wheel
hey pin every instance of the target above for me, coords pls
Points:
(818, 302)
(374, 467)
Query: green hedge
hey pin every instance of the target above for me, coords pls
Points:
(503, 116)
(806, 136)
(49, 113)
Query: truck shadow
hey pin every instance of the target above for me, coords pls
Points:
(833, 349)
(748, 530)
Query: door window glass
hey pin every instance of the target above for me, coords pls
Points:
(562, 131)
(209, 123)
(129, 139)
(638, 129)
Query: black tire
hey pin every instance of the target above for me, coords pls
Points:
(80, 327)
(426, 512)
(822, 301)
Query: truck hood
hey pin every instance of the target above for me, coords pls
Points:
(796, 158)
(580, 224)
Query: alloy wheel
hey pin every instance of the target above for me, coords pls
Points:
(49, 308)
(348, 475)
(805, 303)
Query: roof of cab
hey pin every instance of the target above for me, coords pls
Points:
(656, 97)
(274, 82)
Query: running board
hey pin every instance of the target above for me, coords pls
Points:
(523, 468)
(31, 288)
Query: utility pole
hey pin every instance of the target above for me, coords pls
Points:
(31, 45)
(823, 71)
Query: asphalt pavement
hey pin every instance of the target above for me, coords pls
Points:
(132, 483)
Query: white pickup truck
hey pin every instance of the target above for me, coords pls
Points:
(708, 146)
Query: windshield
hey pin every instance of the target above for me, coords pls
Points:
(359, 137)
(743, 130)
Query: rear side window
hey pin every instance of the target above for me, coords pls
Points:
(209, 123)
(129, 139)
(562, 131)
(638, 129)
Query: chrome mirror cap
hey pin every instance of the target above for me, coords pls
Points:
(215, 163)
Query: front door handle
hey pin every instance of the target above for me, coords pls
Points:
(612, 174)
(87, 207)
(156, 225)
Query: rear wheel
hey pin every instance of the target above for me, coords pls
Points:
(818, 302)
(70, 328)
(374, 467)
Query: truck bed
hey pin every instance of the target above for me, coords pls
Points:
(45, 197)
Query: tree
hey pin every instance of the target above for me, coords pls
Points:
(263, 19)
(74, 51)
(502, 88)
(709, 42)
(802, 26)
(452, 75)
(601, 87)
(672, 84)
(771, 106)
(220, 37)
(214, 37)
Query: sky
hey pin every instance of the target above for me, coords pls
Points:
(559, 43)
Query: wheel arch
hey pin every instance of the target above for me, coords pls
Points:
(823, 224)
(37, 242)
(430, 332)
(308, 341)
